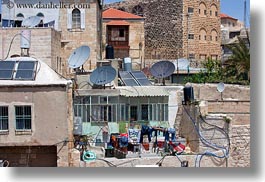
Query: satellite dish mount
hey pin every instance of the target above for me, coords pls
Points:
(221, 88)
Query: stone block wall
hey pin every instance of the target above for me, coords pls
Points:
(90, 36)
(232, 114)
(168, 23)
(45, 43)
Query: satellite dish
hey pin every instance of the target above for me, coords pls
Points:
(103, 75)
(221, 87)
(162, 69)
(31, 21)
(79, 57)
(182, 63)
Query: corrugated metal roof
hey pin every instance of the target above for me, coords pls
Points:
(143, 91)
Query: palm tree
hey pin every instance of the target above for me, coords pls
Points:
(240, 58)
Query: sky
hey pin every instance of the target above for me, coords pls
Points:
(234, 8)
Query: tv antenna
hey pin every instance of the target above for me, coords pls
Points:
(221, 88)
(162, 69)
(78, 57)
(103, 75)
(31, 21)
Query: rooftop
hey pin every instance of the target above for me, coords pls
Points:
(118, 14)
(45, 76)
(225, 16)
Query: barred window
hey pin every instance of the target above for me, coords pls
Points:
(76, 18)
(23, 117)
(3, 118)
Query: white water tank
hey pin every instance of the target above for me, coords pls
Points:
(127, 64)
(25, 39)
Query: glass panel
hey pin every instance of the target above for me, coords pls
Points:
(23, 117)
(6, 69)
(144, 112)
(4, 118)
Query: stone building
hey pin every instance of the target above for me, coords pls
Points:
(176, 29)
(125, 32)
(73, 24)
(35, 114)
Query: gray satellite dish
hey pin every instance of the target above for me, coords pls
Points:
(162, 69)
(79, 57)
(31, 21)
(103, 75)
(220, 87)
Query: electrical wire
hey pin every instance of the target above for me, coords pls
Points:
(206, 142)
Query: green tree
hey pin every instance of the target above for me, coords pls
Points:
(239, 62)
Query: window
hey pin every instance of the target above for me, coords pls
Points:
(214, 35)
(202, 35)
(121, 32)
(134, 113)
(76, 18)
(202, 9)
(213, 10)
(214, 57)
(3, 118)
(144, 112)
(191, 36)
(23, 117)
(190, 10)
(203, 56)
(138, 10)
(191, 56)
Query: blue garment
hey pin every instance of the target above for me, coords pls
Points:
(170, 132)
(146, 130)
(123, 141)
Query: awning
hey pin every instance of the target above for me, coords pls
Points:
(143, 91)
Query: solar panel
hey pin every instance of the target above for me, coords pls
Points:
(7, 69)
(141, 78)
(26, 70)
(127, 78)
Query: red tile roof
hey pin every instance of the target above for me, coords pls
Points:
(222, 15)
(118, 22)
(118, 14)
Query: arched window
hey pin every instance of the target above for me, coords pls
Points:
(138, 10)
(214, 35)
(76, 18)
(202, 9)
(202, 35)
(213, 11)
(41, 15)
(20, 16)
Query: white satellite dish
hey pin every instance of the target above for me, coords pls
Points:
(79, 57)
(31, 21)
(182, 63)
(220, 87)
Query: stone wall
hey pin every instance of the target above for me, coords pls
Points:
(74, 38)
(167, 25)
(230, 112)
(45, 43)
